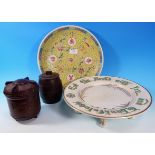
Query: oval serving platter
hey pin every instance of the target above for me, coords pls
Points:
(107, 97)
(71, 51)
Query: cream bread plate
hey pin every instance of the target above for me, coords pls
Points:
(106, 97)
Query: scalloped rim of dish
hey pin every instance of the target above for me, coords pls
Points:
(102, 63)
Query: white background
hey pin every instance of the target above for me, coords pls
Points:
(77, 10)
(60, 118)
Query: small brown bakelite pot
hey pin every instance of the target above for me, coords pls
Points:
(50, 87)
(23, 99)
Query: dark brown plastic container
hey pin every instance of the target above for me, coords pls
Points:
(50, 87)
(23, 99)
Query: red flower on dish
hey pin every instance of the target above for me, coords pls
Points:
(70, 59)
(52, 58)
(71, 41)
(70, 77)
(88, 60)
(60, 47)
(81, 70)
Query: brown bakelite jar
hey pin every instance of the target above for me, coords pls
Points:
(23, 98)
(50, 87)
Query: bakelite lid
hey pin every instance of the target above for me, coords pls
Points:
(49, 75)
(16, 88)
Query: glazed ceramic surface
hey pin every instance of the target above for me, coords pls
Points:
(107, 97)
(50, 87)
(71, 51)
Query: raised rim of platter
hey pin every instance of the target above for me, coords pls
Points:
(102, 61)
(102, 117)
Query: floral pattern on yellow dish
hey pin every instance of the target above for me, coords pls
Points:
(71, 51)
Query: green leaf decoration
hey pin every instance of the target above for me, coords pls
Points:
(136, 89)
(142, 101)
(78, 103)
(84, 81)
(102, 78)
(123, 82)
(73, 87)
(123, 111)
(101, 112)
(106, 78)
(132, 109)
(70, 95)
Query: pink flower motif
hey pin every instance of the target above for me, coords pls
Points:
(70, 77)
(52, 58)
(88, 60)
(72, 41)
(70, 59)
(60, 47)
(81, 70)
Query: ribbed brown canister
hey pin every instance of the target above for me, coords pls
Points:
(23, 98)
(50, 87)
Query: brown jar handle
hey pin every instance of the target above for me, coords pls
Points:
(8, 82)
(15, 89)
(27, 78)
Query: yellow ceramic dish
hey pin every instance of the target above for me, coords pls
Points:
(71, 51)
